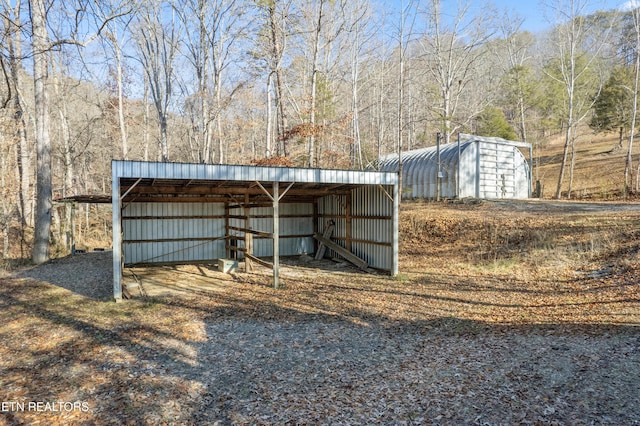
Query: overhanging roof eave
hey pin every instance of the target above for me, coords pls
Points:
(214, 172)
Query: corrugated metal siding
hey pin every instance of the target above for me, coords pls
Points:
(300, 223)
(172, 232)
(141, 169)
(370, 202)
(489, 168)
(371, 223)
(497, 177)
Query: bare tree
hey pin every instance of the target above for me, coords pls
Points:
(7, 195)
(116, 31)
(574, 68)
(317, 31)
(452, 52)
(13, 42)
(404, 35)
(41, 46)
(272, 45)
(326, 21)
(516, 47)
(360, 31)
(44, 204)
(635, 19)
(157, 41)
(212, 51)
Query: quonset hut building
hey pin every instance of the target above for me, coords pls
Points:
(471, 167)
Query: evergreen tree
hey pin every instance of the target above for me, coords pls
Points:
(491, 122)
(612, 110)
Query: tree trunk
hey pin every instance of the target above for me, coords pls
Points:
(565, 155)
(277, 50)
(314, 82)
(628, 167)
(65, 131)
(569, 133)
(620, 136)
(24, 156)
(145, 120)
(44, 203)
(380, 122)
(164, 140)
(572, 166)
(121, 119)
(5, 214)
(269, 127)
(157, 47)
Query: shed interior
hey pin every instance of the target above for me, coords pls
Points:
(190, 220)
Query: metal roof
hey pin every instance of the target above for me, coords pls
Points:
(425, 157)
(476, 166)
(146, 181)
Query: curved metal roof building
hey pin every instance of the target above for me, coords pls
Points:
(474, 166)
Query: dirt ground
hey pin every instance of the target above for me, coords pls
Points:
(525, 313)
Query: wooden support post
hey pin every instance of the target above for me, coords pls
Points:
(348, 223)
(276, 235)
(73, 228)
(275, 198)
(248, 238)
(248, 242)
(226, 230)
(316, 224)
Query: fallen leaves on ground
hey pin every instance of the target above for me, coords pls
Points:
(460, 337)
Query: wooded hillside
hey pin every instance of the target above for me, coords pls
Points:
(312, 83)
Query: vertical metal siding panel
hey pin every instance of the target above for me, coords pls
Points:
(375, 208)
(158, 225)
(127, 253)
(165, 229)
(294, 226)
(176, 254)
(369, 203)
(521, 175)
(209, 230)
(261, 246)
(203, 228)
(467, 162)
(182, 225)
(449, 161)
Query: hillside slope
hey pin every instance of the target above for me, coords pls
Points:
(599, 166)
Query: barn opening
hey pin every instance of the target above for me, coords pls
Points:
(189, 213)
(471, 167)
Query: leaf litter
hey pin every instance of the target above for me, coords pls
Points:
(492, 320)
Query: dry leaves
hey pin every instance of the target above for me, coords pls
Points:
(481, 327)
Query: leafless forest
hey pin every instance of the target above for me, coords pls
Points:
(312, 83)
